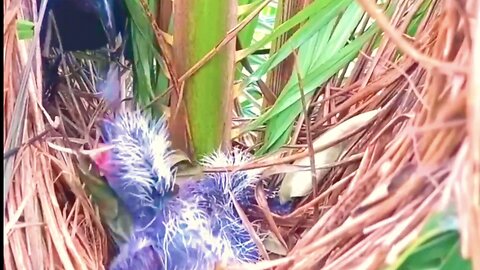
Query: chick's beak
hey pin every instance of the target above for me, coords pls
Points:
(103, 159)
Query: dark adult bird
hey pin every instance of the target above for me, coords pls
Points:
(84, 24)
(79, 25)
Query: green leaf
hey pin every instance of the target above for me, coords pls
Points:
(432, 252)
(25, 29)
(288, 105)
(112, 211)
(332, 59)
(419, 16)
(318, 60)
(246, 34)
(311, 10)
(454, 259)
(312, 27)
(437, 246)
(276, 133)
(149, 80)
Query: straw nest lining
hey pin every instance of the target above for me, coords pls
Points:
(49, 220)
(419, 155)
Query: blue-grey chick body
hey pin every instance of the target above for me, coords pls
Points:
(192, 228)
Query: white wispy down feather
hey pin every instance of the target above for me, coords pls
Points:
(202, 226)
(143, 151)
(189, 229)
(236, 157)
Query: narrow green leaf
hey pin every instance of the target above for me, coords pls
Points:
(437, 246)
(431, 253)
(141, 67)
(245, 36)
(419, 16)
(245, 7)
(290, 98)
(149, 80)
(279, 128)
(25, 29)
(454, 259)
(279, 140)
(300, 17)
(349, 21)
(312, 27)
(334, 58)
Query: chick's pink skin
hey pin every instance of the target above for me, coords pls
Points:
(103, 162)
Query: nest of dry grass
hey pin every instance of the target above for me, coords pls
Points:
(49, 221)
(421, 154)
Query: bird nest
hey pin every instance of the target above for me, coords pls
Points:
(418, 156)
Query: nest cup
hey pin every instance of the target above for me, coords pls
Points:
(417, 156)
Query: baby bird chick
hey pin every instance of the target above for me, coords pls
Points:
(192, 226)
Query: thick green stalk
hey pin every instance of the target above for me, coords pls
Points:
(199, 25)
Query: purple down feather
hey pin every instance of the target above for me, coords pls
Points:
(195, 227)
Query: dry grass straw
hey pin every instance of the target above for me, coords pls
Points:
(420, 155)
(49, 222)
